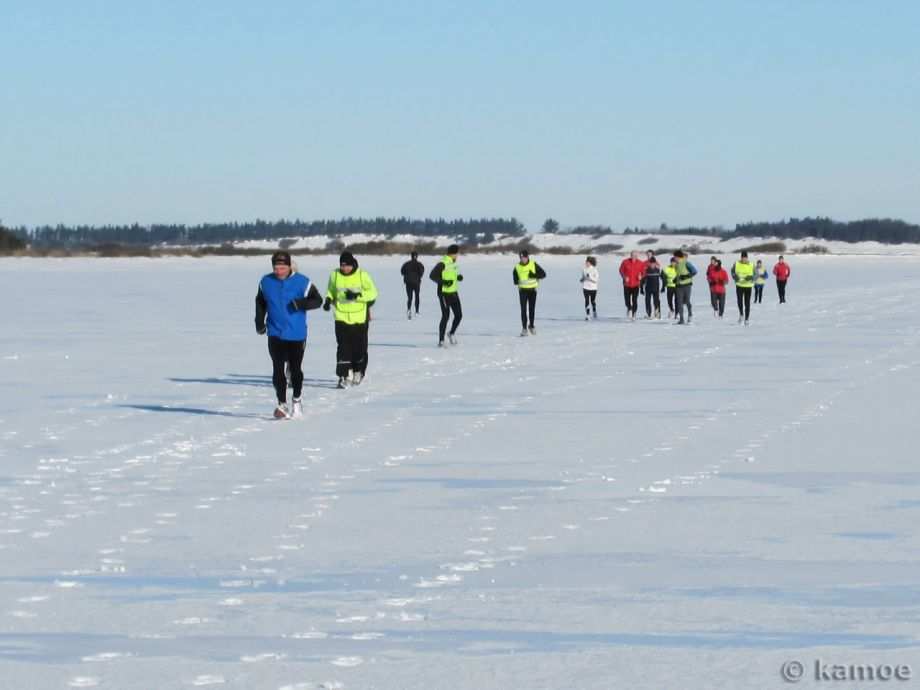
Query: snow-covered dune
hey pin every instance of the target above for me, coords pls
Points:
(611, 244)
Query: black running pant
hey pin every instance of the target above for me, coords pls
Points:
(758, 294)
(528, 299)
(410, 291)
(744, 301)
(351, 347)
(718, 302)
(781, 287)
(288, 352)
(632, 299)
(671, 292)
(681, 298)
(590, 298)
(449, 303)
(650, 297)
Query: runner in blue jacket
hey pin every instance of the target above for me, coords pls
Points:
(281, 310)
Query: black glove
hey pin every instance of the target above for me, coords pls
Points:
(351, 294)
(532, 274)
(327, 304)
(663, 288)
(293, 306)
(260, 330)
(460, 278)
(447, 283)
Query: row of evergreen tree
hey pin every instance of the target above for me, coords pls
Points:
(474, 231)
(481, 230)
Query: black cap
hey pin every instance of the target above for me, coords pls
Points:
(453, 249)
(283, 258)
(524, 252)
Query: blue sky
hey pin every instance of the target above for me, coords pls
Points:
(615, 113)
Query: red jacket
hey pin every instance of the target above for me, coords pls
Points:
(782, 271)
(632, 271)
(718, 279)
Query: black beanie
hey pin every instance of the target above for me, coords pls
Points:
(281, 258)
(349, 259)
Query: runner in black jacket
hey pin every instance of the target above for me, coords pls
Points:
(412, 272)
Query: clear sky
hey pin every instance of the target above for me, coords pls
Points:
(592, 112)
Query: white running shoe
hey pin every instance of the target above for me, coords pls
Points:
(533, 331)
(740, 319)
(523, 332)
(441, 343)
(452, 338)
(356, 378)
(281, 411)
(343, 382)
(297, 410)
(409, 314)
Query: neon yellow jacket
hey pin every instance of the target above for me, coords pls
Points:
(351, 311)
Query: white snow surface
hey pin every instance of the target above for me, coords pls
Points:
(604, 505)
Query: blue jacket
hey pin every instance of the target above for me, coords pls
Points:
(284, 320)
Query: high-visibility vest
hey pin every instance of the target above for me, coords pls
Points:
(525, 282)
(760, 277)
(744, 274)
(684, 276)
(450, 272)
(351, 311)
(670, 276)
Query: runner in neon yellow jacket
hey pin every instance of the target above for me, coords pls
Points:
(351, 291)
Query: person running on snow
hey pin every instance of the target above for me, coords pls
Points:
(651, 286)
(526, 275)
(670, 277)
(447, 276)
(684, 287)
(743, 274)
(718, 279)
(588, 280)
(351, 291)
(781, 270)
(760, 277)
(631, 270)
(282, 302)
(412, 272)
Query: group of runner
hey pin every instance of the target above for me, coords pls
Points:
(285, 296)
(676, 280)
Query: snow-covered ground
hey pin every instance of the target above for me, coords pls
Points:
(601, 244)
(605, 505)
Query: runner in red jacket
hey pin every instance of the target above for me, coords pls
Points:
(781, 270)
(632, 271)
(718, 279)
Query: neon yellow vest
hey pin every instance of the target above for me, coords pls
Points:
(450, 272)
(525, 282)
(683, 277)
(670, 275)
(760, 278)
(346, 310)
(744, 274)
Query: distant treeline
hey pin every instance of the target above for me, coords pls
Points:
(10, 242)
(885, 230)
(472, 232)
(480, 231)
